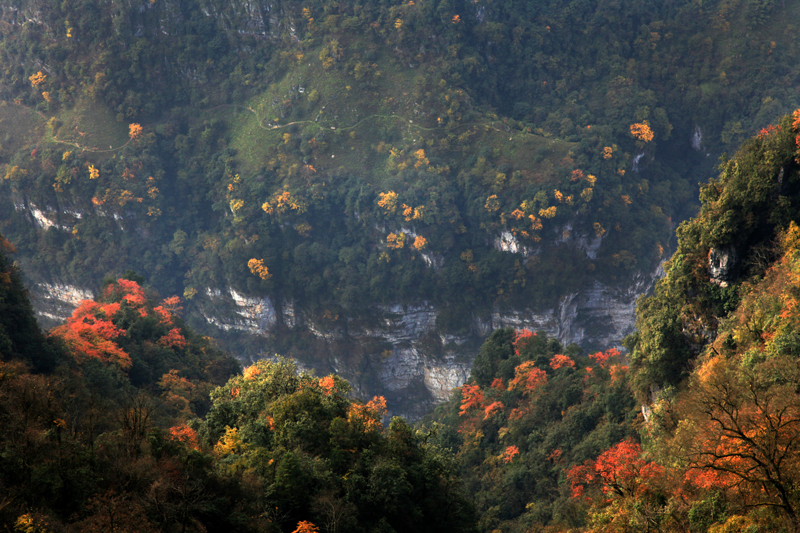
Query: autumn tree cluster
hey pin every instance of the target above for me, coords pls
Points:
(531, 410)
(313, 455)
(711, 438)
(123, 419)
(551, 125)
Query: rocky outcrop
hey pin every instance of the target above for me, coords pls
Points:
(722, 263)
(233, 311)
(411, 359)
(404, 354)
(507, 242)
(55, 302)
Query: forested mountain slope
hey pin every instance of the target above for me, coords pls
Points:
(124, 419)
(386, 180)
(552, 439)
(108, 422)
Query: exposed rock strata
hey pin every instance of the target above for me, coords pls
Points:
(55, 302)
(722, 263)
(409, 358)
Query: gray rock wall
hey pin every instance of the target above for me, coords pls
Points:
(416, 363)
(401, 352)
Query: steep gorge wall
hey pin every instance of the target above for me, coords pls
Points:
(399, 352)
(396, 351)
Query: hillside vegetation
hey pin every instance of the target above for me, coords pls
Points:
(123, 419)
(551, 438)
(340, 156)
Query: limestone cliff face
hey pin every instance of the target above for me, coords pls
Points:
(597, 317)
(55, 302)
(396, 351)
(401, 353)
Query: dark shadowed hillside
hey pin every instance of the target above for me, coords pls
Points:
(390, 181)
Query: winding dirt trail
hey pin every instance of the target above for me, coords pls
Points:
(409, 123)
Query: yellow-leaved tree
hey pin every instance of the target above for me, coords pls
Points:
(257, 268)
(642, 131)
(37, 79)
(388, 201)
(134, 130)
(396, 241)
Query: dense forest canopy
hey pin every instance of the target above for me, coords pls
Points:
(123, 419)
(551, 438)
(338, 158)
(335, 156)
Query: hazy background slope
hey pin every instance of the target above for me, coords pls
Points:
(406, 176)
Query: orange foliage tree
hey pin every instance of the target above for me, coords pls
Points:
(306, 527)
(527, 377)
(134, 130)
(743, 432)
(395, 241)
(471, 398)
(522, 338)
(510, 453)
(369, 416)
(327, 384)
(602, 358)
(560, 361)
(618, 471)
(388, 201)
(127, 291)
(252, 372)
(89, 332)
(168, 309)
(37, 79)
(796, 126)
(492, 409)
(257, 268)
(186, 435)
(173, 339)
(642, 131)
